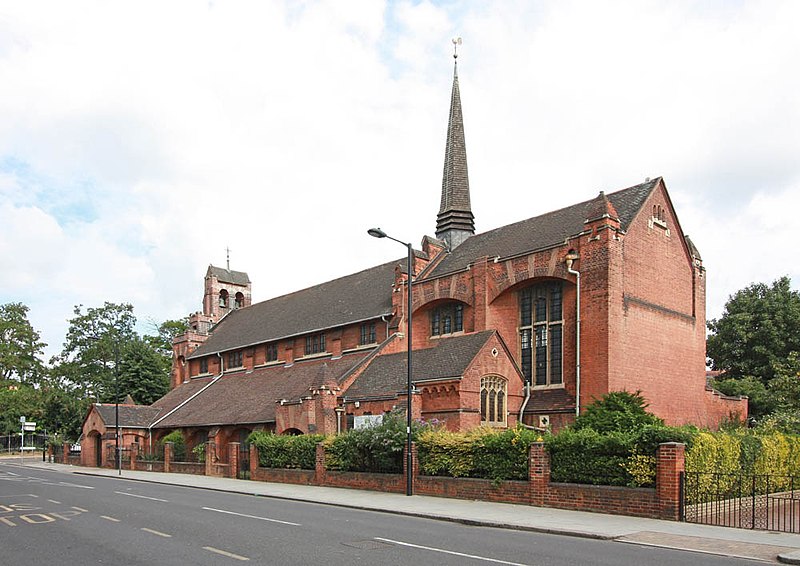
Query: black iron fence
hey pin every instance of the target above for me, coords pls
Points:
(746, 501)
(12, 442)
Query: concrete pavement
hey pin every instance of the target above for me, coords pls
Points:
(740, 543)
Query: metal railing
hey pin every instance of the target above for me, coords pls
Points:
(746, 501)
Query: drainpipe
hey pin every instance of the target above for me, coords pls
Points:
(525, 402)
(572, 256)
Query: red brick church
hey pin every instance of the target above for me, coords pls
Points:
(527, 323)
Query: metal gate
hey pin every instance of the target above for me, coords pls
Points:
(244, 462)
(745, 501)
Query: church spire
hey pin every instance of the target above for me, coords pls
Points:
(455, 222)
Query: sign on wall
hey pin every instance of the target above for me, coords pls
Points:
(366, 421)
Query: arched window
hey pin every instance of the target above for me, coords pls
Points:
(223, 299)
(493, 400)
(447, 319)
(239, 301)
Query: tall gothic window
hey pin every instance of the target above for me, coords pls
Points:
(447, 319)
(540, 332)
(493, 400)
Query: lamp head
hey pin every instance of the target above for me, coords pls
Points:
(376, 233)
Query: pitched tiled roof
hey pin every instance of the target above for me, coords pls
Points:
(550, 400)
(542, 231)
(130, 416)
(388, 374)
(228, 276)
(250, 397)
(360, 296)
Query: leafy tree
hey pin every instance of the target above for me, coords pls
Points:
(20, 345)
(143, 373)
(165, 332)
(617, 411)
(757, 332)
(62, 412)
(94, 344)
(18, 401)
(761, 402)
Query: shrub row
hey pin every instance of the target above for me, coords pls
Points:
(611, 458)
(479, 453)
(276, 451)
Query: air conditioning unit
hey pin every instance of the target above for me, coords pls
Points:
(544, 421)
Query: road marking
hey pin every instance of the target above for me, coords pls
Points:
(141, 496)
(224, 553)
(252, 516)
(81, 509)
(42, 518)
(7, 522)
(54, 501)
(107, 518)
(67, 484)
(451, 552)
(159, 533)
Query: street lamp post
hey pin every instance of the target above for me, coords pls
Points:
(378, 233)
(116, 409)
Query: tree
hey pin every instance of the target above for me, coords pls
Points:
(165, 333)
(143, 373)
(20, 345)
(757, 332)
(617, 411)
(94, 345)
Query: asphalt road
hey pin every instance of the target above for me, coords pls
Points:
(47, 517)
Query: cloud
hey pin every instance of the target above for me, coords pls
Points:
(139, 140)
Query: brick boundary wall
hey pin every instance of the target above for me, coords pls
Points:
(661, 502)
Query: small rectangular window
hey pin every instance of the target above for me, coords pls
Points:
(315, 344)
(235, 359)
(272, 352)
(367, 334)
(203, 365)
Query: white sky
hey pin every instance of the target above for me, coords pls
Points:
(139, 139)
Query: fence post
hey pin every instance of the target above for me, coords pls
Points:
(233, 460)
(538, 473)
(167, 456)
(253, 461)
(65, 453)
(134, 455)
(319, 465)
(670, 463)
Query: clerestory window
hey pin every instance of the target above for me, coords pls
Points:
(540, 333)
(315, 344)
(368, 335)
(447, 319)
(235, 359)
(272, 352)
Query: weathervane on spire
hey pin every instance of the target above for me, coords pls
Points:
(456, 43)
(228, 254)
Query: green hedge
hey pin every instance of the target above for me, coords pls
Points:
(276, 451)
(613, 458)
(480, 453)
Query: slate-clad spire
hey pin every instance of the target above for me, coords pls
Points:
(455, 222)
